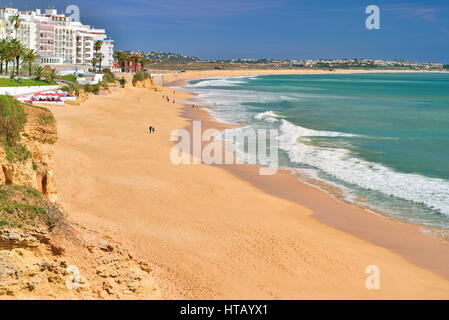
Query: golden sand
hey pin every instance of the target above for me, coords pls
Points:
(208, 233)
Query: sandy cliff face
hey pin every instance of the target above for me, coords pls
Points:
(42, 254)
(38, 136)
(148, 84)
(35, 264)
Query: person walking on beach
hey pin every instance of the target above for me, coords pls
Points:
(151, 129)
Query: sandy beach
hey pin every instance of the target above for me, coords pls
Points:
(226, 233)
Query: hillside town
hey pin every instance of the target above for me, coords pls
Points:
(340, 63)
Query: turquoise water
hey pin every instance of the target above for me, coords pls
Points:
(383, 139)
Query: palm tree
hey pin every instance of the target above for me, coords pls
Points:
(128, 59)
(100, 58)
(3, 53)
(136, 59)
(15, 21)
(143, 62)
(8, 56)
(94, 62)
(52, 74)
(121, 58)
(39, 72)
(29, 57)
(97, 45)
(16, 52)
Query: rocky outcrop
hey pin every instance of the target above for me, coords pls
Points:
(36, 264)
(146, 84)
(38, 136)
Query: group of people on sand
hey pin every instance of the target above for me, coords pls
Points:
(152, 129)
(168, 99)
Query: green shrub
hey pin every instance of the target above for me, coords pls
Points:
(88, 88)
(140, 76)
(12, 119)
(108, 78)
(46, 119)
(49, 77)
(96, 88)
(16, 152)
(21, 206)
(122, 82)
(104, 85)
(109, 75)
(75, 88)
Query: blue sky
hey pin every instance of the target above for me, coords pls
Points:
(412, 30)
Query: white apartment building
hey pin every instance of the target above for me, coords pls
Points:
(108, 52)
(56, 38)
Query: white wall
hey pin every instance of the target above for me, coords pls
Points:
(17, 91)
(107, 49)
(158, 79)
(97, 78)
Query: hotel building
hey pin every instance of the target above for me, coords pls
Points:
(56, 39)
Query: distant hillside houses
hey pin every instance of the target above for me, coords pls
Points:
(56, 39)
(341, 63)
(154, 56)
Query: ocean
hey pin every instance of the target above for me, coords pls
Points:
(377, 140)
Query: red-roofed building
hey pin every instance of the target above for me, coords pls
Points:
(132, 63)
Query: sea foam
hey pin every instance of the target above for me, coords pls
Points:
(218, 82)
(268, 116)
(343, 165)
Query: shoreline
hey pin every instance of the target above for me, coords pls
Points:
(207, 233)
(427, 251)
(366, 224)
(179, 78)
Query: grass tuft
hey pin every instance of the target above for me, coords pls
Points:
(22, 206)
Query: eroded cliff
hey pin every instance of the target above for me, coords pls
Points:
(42, 254)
